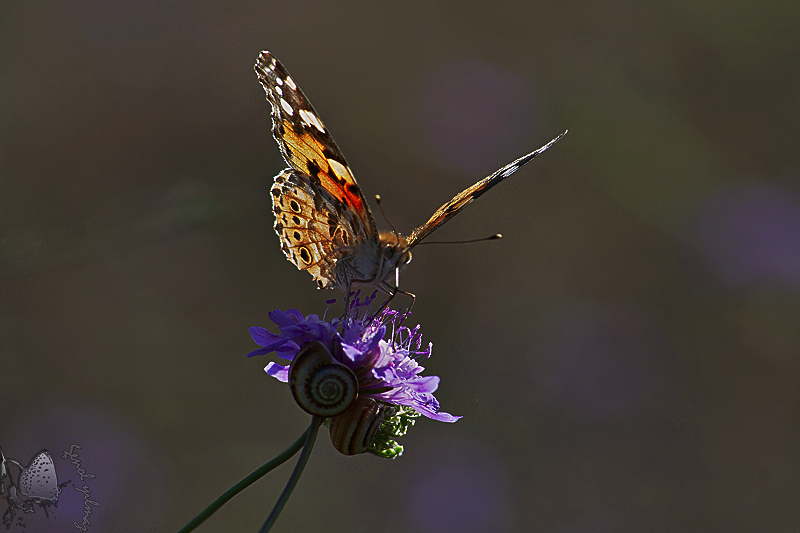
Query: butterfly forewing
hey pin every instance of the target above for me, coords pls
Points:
(306, 144)
(467, 196)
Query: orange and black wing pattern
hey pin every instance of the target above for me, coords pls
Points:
(464, 198)
(306, 144)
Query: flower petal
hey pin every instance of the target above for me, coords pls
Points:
(267, 339)
(423, 384)
(439, 416)
(279, 372)
(260, 351)
(352, 353)
(285, 318)
(428, 407)
(288, 350)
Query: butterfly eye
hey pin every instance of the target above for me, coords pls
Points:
(388, 251)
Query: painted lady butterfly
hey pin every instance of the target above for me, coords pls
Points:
(321, 216)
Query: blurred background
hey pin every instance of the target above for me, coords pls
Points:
(626, 359)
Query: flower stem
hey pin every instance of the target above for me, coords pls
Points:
(244, 483)
(311, 436)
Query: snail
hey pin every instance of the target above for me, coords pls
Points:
(353, 431)
(323, 387)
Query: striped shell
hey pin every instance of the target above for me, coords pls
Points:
(353, 431)
(321, 386)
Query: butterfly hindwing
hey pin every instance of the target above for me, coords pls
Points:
(306, 144)
(38, 480)
(315, 228)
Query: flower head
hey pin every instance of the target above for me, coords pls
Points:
(381, 352)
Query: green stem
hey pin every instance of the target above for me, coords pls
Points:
(244, 483)
(311, 436)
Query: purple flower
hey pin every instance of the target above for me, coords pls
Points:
(386, 365)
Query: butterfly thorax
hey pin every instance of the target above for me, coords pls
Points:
(372, 262)
(395, 253)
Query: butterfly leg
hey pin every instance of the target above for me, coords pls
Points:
(410, 295)
(392, 292)
(397, 288)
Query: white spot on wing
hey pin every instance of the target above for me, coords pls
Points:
(286, 107)
(279, 91)
(278, 81)
(311, 119)
(507, 172)
(339, 169)
(290, 83)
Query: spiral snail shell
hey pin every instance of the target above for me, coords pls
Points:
(353, 431)
(321, 386)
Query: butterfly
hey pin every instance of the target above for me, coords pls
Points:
(321, 216)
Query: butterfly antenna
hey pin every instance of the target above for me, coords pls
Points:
(489, 238)
(394, 230)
